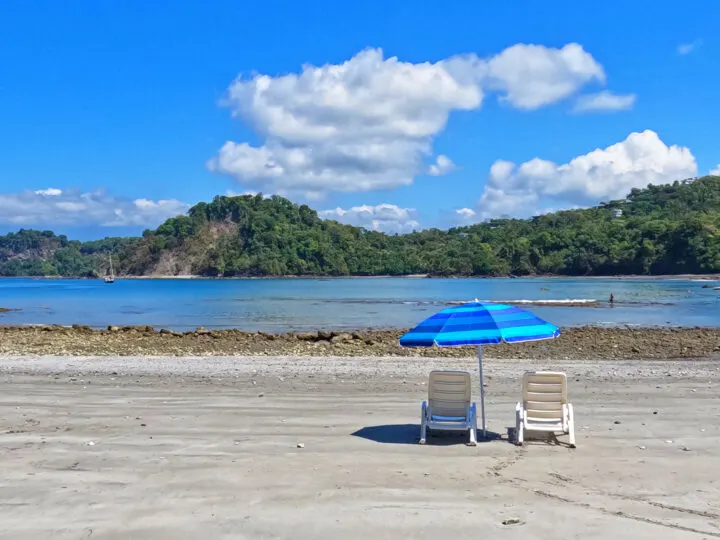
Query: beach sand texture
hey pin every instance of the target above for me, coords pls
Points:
(186, 448)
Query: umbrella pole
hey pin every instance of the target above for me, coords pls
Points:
(482, 390)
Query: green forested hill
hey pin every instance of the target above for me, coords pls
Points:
(662, 230)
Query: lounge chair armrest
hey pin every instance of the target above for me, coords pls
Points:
(519, 406)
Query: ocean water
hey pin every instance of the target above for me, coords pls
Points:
(277, 305)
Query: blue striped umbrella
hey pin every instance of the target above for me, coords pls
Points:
(479, 323)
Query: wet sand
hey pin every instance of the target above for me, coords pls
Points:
(158, 448)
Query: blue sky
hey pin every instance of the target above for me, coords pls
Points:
(116, 114)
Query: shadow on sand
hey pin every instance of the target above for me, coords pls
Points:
(410, 434)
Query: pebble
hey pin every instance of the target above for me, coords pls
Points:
(642, 447)
(300, 445)
(90, 443)
(685, 449)
(617, 422)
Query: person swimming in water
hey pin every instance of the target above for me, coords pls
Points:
(612, 299)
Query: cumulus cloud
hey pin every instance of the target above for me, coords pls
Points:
(532, 75)
(715, 171)
(368, 123)
(686, 48)
(603, 174)
(51, 192)
(443, 165)
(465, 213)
(52, 206)
(383, 217)
(604, 101)
(461, 216)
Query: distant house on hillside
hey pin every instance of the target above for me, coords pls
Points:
(617, 213)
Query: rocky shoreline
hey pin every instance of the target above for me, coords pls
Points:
(574, 343)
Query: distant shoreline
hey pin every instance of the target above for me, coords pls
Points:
(677, 277)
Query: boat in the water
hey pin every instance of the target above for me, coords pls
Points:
(111, 277)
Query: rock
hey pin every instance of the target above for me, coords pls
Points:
(261, 395)
(165, 331)
(325, 334)
(511, 521)
(81, 328)
(112, 328)
(202, 331)
(341, 338)
(617, 422)
(300, 445)
(685, 449)
(307, 336)
(90, 443)
(642, 447)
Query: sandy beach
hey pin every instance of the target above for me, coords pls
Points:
(188, 447)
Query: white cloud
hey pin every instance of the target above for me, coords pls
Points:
(383, 217)
(367, 124)
(533, 75)
(465, 213)
(463, 216)
(443, 165)
(52, 206)
(715, 171)
(604, 101)
(686, 48)
(50, 192)
(603, 174)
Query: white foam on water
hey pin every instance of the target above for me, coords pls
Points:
(566, 301)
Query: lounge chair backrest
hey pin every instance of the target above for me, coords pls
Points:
(544, 394)
(449, 393)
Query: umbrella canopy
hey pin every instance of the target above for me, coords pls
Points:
(479, 323)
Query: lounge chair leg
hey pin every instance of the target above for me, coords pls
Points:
(472, 414)
(519, 427)
(423, 425)
(571, 425)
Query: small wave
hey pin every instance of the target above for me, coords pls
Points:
(544, 302)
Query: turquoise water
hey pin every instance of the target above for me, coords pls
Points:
(277, 305)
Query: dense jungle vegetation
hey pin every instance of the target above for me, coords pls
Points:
(667, 229)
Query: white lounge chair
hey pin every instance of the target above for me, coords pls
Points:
(449, 405)
(544, 405)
